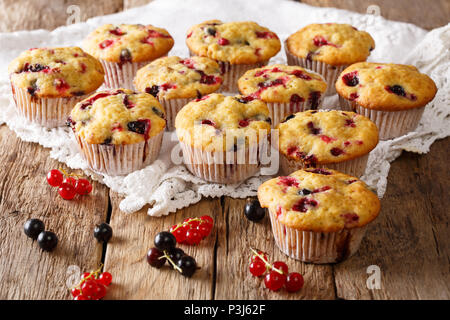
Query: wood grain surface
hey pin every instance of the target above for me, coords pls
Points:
(408, 242)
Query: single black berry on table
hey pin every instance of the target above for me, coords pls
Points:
(154, 258)
(103, 232)
(47, 240)
(165, 241)
(176, 254)
(253, 211)
(187, 265)
(33, 227)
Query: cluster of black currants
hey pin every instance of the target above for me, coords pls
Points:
(165, 250)
(35, 229)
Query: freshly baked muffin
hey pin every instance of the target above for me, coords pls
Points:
(328, 49)
(47, 82)
(175, 81)
(332, 139)
(220, 135)
(237, 46)
(124, 48)
(394, 96)
(285, 89)
(318, 215)
(118, 131)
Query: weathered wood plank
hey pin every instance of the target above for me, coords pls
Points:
(26, 272)
(409, 240)
(425, 14)
(35, 14)
(133, 236)
(234, 281)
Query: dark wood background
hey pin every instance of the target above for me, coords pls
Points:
(409, 241)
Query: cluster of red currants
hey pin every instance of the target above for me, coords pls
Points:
(68, 186)
(92, 285)
(276, 275)
(192, 230)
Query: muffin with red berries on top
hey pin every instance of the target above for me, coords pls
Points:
(175, 82)
(326, 139)
(394, 96)
(328, 49)
(47, 82)
(220, 137)
(118, 131)
(318, 215)
(236, 46)
(123, 49)
(285, 89)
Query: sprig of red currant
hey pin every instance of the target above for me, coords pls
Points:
(92, 285)
(69, 184)
(277, 274)
(192, 230)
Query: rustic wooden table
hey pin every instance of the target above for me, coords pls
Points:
(409, 241)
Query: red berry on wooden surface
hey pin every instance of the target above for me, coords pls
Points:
(67, 191)
(294, 282)
(82, 297)
(193, 236)
(83, 186)
(257, 268)
(89, 287)
(55, 178)
(280, 265)
(179, 233)
(70, 180)
(105, 278)
(207, 219)
(274, 281)
(75, 292)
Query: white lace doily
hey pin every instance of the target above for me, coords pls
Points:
(169, 187)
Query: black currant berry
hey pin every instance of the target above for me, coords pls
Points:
(103, 232)
(253, 211)
(165, 241)
(33, 227)
(47, 240)
(176, 254)
(187, 265)
(153, 258)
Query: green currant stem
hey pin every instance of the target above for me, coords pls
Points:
(268, 265)
(187, 222)
(91, 274)
(171, 262)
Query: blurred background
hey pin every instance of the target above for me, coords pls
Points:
(35, 14)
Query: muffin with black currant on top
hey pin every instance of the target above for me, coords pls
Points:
(393, 96)
(236, 46)
(118, 131)
(47, 82)
(285, 89)
(175, 81)
(328, 49)
(123, 49)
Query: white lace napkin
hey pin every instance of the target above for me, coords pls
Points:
(169, 187)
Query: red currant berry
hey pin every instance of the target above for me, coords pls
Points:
(294, 282)
(75, 292)
(207, 219)
(279, 265)
(54, 178)
(193, 224)
(83, 186)
(256, 258)
(100, 291)
(70, 180)
(105, 278)
(179, 233)
(87, 275)
(257, 268)
(67, 191)
(82, 297)
(204, 229)
(274, 280)
(193, 236)
(89, 287)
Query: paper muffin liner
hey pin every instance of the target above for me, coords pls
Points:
(232, 73)
(329, 72)
(316, 247)
(212, 166)
(279, 111)
(116, 160)
(354, 167)
(47, 112)
(172, 107)
(391, 124)
(121, 75)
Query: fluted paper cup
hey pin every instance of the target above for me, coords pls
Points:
(116, 160)
(316, 247)
(47, 112)
(232, 72)
(121, 75)
(391, 124)
(279, 111)
(172, 107)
